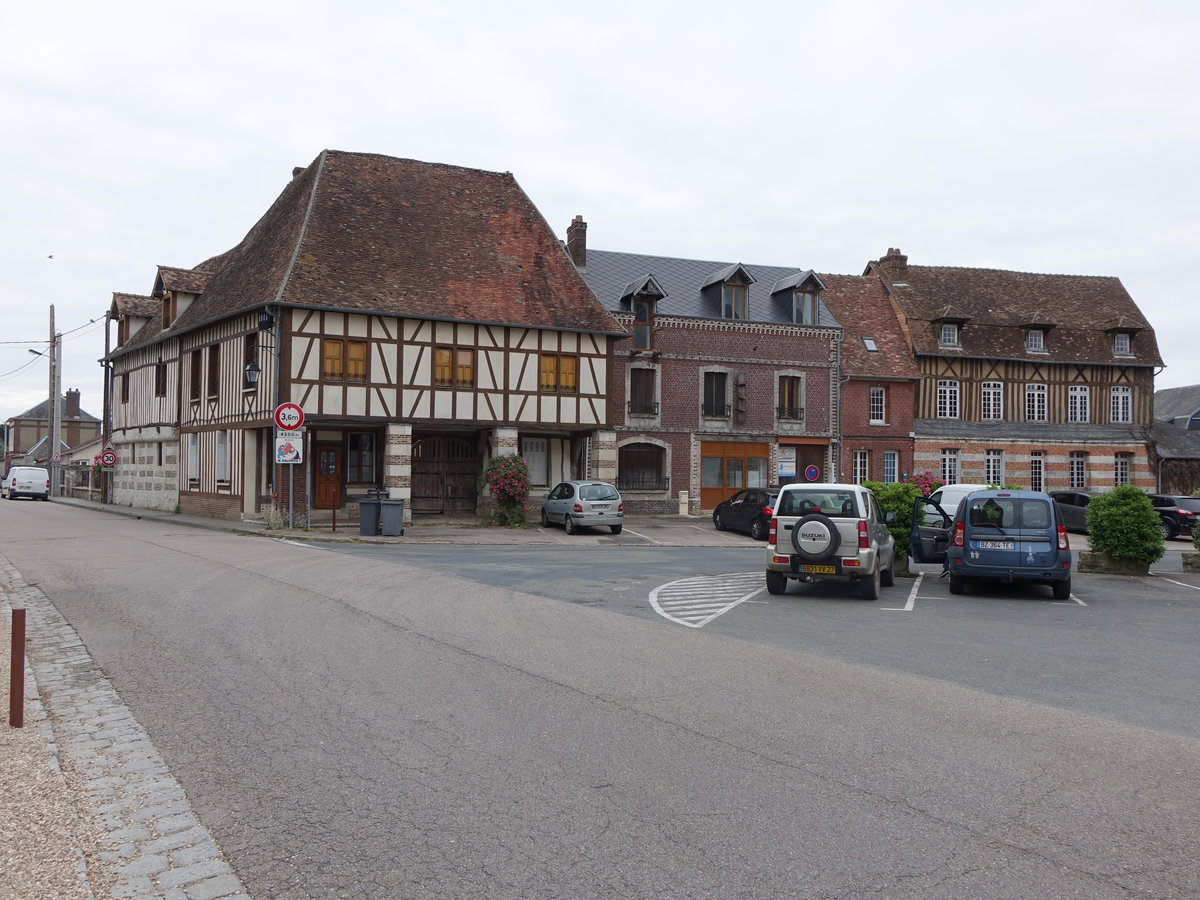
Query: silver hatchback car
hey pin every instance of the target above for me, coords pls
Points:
(579, 503)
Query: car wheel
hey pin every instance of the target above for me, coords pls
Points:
(1062, 589)
(545, 519)
(868, 588)
(718, 522)
(758, 530)
(569, 524)
(616, 529)
(888, 578)
(1168, 530)
(958, 584)
(776, 582)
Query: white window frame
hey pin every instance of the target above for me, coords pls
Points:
(1078, 470)
(878, 403)
(991, 404)
(193, 457)
(222, 457)
(862, 465)
(1079, 403)
(948, 336)
(1035, 403)
(1035, 340)
(993, 467)
(1122, 405)
(947, 398)
(1121, 344)
(1037, 470)
(891, 466)
(950, 465)
(1122, 465)
(804, 308)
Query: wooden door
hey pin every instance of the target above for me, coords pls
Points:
(445, 472)
(329, 476)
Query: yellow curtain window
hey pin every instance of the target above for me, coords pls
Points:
(331, 360)
(549, 373)
(567, 382)
(464, 373)
(442, 374)
(356, 360)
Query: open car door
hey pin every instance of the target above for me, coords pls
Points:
(929, 535)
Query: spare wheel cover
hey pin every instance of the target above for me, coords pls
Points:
(815, 537)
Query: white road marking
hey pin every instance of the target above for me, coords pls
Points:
(639, 534)
(695, 602)
(912, 597)
(1180, 583)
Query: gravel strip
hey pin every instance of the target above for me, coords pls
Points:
(88, 809)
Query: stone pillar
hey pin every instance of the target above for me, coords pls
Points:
(604, 455)
(397, 465)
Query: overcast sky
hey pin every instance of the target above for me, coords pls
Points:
(1057, 137)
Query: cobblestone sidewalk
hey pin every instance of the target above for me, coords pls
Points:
(88, 809)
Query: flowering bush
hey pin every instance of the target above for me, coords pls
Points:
(508, 478)
(926, 483)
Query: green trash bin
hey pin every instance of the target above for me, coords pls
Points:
(391, 517)
(368, 516)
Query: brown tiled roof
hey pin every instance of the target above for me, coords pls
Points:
(370, 233)
(189, 281)
(135, 305)
(861, 304)
(997, 303)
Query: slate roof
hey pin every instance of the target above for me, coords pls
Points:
(39, 412)
(367, 233)
(1173, 442)
(861, 304)
(1177, 403)
(996, 303)
(608, 273)
(1031, 432)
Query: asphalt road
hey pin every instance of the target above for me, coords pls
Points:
(362, 726)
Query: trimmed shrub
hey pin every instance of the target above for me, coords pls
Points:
(1122, 524)
(898, 498)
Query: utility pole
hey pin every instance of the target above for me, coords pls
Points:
(54, 410)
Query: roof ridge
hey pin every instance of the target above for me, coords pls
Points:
(312, 202)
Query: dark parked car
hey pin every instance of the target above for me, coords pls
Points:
(1073, 507)
(749, 511)
(1177, 519)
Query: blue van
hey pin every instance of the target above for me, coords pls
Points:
(995, 535)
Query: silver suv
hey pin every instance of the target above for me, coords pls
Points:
(830, 532)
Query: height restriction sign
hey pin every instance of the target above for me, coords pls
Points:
(288, 417)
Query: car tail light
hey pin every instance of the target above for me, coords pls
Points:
(864, 540)
(621, 507)
(771, 534)
(578, 508)
(959, 540)
(768, 512)
(1184, 512)
(1063, 543)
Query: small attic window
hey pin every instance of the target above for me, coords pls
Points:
(1121, 344)
(948, 335)
(733, 301)
(804, 307)
(1035, 340)
(869, 343)
(168, 309)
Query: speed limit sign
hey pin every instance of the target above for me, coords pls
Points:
(108, 457)
(289, 416)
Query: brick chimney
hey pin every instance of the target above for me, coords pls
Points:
(71, 409)
(895, 263)
(577, 242)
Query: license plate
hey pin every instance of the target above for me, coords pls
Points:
(599, 507)
(818, 570)
(997, 545)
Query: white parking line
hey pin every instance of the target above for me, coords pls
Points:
(644, 536)
(1180, 583)
(695, 602)
(912, 597)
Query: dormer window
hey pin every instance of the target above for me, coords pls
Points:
(643, 322)
(804, 307)
(1035, 340)
(168, 309)
(948, 335)
(733, 301)
(1121, 344)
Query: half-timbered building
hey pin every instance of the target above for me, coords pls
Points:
(1046, 381)
(730, 378)
(424, 318)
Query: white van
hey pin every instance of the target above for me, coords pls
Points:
(948, 496)
(27, 481)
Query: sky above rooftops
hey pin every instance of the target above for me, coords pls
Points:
(1056, 137)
